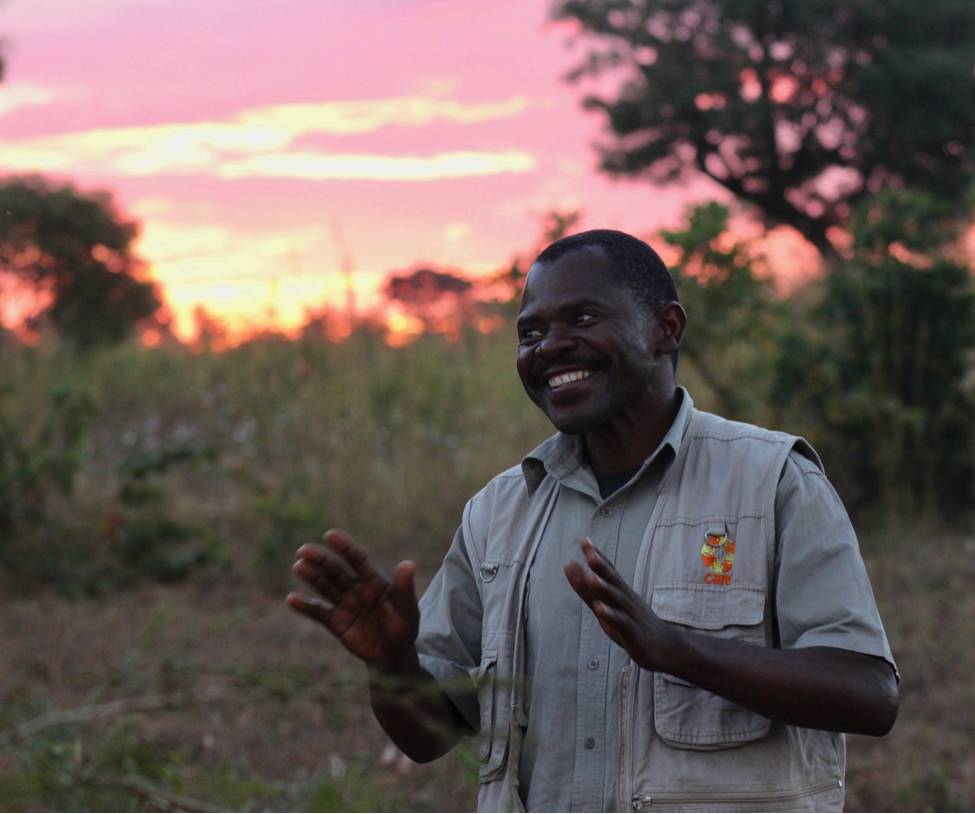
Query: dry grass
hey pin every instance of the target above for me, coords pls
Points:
(292, 706)
(389, 444)
(922, 576)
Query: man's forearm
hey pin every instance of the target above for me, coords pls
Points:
(815, 687)
(413, 709)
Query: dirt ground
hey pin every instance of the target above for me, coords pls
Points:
(287, 702)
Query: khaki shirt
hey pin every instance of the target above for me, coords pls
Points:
(569, 756)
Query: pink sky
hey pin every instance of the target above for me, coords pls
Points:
(238, 132)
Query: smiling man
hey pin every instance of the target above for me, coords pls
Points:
(658, 609)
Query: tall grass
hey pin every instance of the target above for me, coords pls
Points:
(161, 575)
(268, 444)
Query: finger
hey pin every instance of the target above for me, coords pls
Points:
(341, 543)
(576, 575)
(603, 591)
(404, 578)
(609, 620)
(312, 608)
(329, 589)
(332, 567)
(404, 588)
(618, 619)
(598, 563)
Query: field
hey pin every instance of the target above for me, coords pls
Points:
(147, 660)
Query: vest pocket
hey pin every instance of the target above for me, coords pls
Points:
(492, 738)
(685, 716)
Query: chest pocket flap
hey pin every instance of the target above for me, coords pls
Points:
(708, 608)
(685, 716)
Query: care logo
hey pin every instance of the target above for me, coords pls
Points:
(718, 555)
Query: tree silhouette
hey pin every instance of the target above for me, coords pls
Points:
(801, 107)
(430, 295)
(78, 250)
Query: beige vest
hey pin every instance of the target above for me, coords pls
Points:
(680, 746)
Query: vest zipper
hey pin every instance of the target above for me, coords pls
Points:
(722, 799)
(621, 790)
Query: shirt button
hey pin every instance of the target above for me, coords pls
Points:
(605, 511)
(589, 743)
(593, 664)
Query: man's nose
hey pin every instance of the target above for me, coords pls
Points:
(556, 341)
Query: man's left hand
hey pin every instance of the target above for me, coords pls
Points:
(816, 687)
(622, 613)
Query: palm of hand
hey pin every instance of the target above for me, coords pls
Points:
(375, 618)
(372, 622)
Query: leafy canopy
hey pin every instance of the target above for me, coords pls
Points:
(800, 107)
(733, 317)
(882, 363)
(77, 250)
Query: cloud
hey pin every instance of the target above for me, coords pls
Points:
(380, 168)
(258, 142)
(25, 94)
(193, 254)
(346, 118)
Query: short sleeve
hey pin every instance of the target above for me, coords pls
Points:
(822, 592)
(449, 642)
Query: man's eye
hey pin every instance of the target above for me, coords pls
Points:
(583, 318)
(529, 335)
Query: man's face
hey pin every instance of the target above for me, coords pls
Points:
(586, 348)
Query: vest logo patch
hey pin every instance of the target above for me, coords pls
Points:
(718, 555)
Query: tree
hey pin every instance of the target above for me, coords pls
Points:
(887, 367)
(440, 300)
(76, 250)
(555, 224)
(425, 288)
(734, 318)
(801, 107)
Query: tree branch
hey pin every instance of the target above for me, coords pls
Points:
(110, 709)
(162, 799)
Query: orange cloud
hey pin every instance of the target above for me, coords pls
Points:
(257, 141)
(377, 167)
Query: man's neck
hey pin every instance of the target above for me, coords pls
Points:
(630, 439)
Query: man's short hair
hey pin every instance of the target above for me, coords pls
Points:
(638, 266)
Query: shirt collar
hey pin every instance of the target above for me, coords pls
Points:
(561, 455)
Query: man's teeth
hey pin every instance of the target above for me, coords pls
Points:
(565, 378)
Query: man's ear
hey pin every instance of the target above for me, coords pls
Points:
(671, 320)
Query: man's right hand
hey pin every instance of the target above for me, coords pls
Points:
(376, 618)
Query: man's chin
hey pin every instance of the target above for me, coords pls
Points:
(571, 423)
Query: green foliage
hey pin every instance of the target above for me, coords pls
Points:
(234, 459)
(77, 250)
(734, 318)
(802, 107)
(295, 512)
(44, 538)
(874, 368)
(145, 539)
(40, 452)
(122, 769)
(104, 757)
(887, 372)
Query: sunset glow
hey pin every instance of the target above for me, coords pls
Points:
(265, 147)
